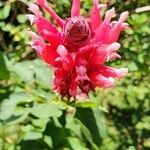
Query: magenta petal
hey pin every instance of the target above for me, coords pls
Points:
(98, 56)
(95, 15)
(40, 21)
(44, 4)
(46, 52)
(102, 32)
(43, 24)
(75, 11)
(54, 39)
(65, 58)
(117, 28)
(99, 80)
(112, 72)
(49, 55)
(37, 42)
(46, 29)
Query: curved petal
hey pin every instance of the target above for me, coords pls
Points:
(95, 15)
(49, 55)
(54, 39)
(98, 56)
(101, 33)
(39, 20)
(117, 28)
(34, 8)
(43, 24)
(112, 72)
(101, 81)
(44, 4)
(104, 53)
(45, 51)
(65, 58)
(112, 51)
(46, 29)
(75, 11)
(37, 42)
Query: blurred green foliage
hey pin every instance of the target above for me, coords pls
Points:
(33, 117)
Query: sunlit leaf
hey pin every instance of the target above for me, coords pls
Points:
(46, 111)
(4, 11)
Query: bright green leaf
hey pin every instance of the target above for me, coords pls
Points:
(46, 111)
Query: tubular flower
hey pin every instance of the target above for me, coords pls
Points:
(78, 51)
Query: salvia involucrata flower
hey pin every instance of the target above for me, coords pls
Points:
(77, 48)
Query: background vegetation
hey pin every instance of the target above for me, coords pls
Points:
(32, 117)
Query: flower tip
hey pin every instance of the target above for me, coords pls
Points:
(34, 8)
(31, 33)
(102, 6)
(109, 14)
(125, 26)
(114, 46)
(32, 18)
(120, 73)
(124, 72)
(123, 17)
(112, 10)
(62, 51)
(109, 83)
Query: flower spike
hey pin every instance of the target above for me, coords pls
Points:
(78, 52)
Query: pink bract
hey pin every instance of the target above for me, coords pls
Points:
(78, 52)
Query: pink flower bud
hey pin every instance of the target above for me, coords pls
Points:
(76, 31)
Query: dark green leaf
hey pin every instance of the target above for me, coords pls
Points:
(94, 121)
(4, 73)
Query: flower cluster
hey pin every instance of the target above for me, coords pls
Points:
(78, 48)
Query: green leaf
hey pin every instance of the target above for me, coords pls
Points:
(21, 18)
(88, 136)
(43, 94)
(46, 110)
(75, 144)
(4, 12)
(48, 141)
(73, 124)
(34, 71)
(24, 71)
(40, 123)
(94, 121)
(133, 66)
(8, 106)
(4, 73)
(85, 104)
(32, 135)
(100, 122)
(43, 73)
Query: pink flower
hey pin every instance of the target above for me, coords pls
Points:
(78, 50)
